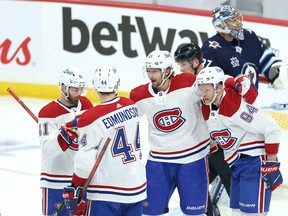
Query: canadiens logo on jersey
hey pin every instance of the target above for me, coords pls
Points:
(223, 138)
(168, 120)
(214, 44)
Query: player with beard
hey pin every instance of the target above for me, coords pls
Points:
(58, 145)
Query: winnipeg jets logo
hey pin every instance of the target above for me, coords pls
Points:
(168, 120)
(214, 44)
(234, 62)
(249, 69)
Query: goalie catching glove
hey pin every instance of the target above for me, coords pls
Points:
(271, 174)
(68, 136)
(278, 74)
(244, 86)
(71, 196)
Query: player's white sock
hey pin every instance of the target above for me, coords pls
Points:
(253, 214)
(236, 212)
(153, 215)
(195, 215)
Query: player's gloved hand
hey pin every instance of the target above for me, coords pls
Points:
(271, 174)
(67, 135)
(69, 131)
(246, 88)
(278, 74)
(71, 196)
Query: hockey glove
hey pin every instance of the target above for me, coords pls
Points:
(68, 134)
(246, 88)
(271, 174)
(71, 196)
(278, 74)
(243, 86)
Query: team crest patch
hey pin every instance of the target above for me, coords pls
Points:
(168, 120)
(238, 49)
(234, 62)
(214, 44)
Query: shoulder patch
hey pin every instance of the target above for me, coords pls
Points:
(214, 44)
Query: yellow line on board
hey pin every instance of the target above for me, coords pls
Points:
(40, 91)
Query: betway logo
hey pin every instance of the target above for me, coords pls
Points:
(126, 29)
(21, 55)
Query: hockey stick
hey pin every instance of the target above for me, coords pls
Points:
(22, 104)
(263, 79)
(215, 194)
(276, 106)
(91, 175)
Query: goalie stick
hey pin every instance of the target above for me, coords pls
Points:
(215, 194)
(22, 104)
(91, 175)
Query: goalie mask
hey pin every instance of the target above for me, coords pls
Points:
(160, 59)
(106, 79)
(228, 20)
(211, 75)
(71, 77)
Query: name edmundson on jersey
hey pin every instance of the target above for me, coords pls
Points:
(120, 116)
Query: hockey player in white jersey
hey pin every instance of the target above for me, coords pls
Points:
(178, 137)
(189, 57)
(119, 184)
(250, 139)
(239, 51)
(57, 148)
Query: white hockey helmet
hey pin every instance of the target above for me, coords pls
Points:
(72, 77)
(161, 59)
(106, 79)
(211, 75)
(228, 20)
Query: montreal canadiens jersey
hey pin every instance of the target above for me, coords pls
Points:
(56, 165)
(249, 56)
(177, 132)
(241, 128)
(121, 175)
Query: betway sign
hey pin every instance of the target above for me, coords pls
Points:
(45, 37)
(122, 30)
